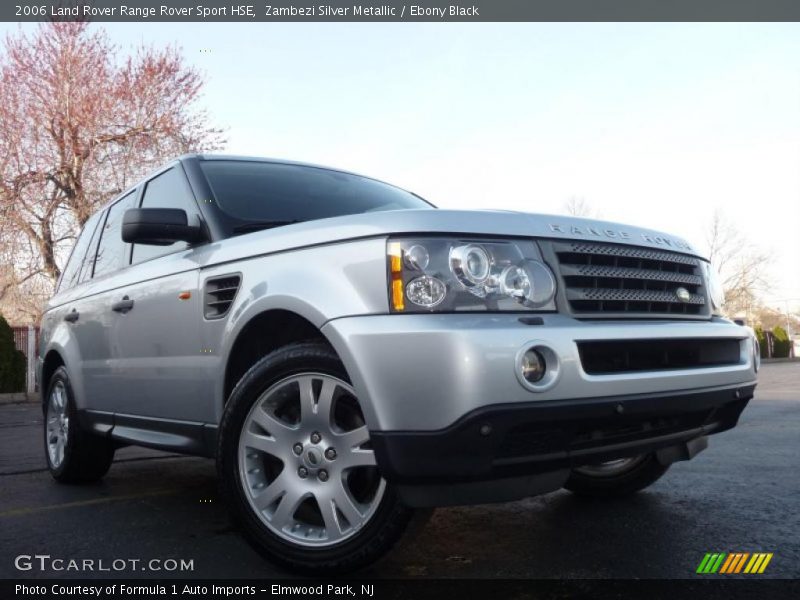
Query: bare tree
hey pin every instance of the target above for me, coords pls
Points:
(742, 265)
(768, 318)
(78, 124)
(577, 206)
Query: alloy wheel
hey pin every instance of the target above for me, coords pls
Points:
(57, 424)
(305, 461)
(611, 468)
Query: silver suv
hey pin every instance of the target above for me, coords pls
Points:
(348, 353)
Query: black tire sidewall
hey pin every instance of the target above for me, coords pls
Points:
(386, 524)
(61, 376)
(87, 456)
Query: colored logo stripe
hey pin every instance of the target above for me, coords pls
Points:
(727, 564)
(740, 564)
(758, 563)
(711, 563)
(734, 562)
(703, 563)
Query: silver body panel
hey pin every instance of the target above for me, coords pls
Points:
(164, 360)
(424, 372)
(497, 223)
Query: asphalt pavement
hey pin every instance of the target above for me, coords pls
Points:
(741, 495)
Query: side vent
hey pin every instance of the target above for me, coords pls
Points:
(219, 295)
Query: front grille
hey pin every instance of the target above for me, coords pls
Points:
(616, 280)
(629, 356)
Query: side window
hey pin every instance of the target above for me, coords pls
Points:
(88, 261)
(112, 252)
(168, 190)
(69, 278)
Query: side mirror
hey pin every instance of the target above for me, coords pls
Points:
(159, 227)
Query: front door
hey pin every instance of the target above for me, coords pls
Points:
(154, 340)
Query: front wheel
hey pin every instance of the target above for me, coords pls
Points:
(616, 478)
(298, 469)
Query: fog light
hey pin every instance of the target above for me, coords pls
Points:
(537, 366)
(533, 366)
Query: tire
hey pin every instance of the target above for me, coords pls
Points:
(73, 455)
(616, 479)
(351, 516)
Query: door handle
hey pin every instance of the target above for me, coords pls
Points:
(123, 305)
(73, 316)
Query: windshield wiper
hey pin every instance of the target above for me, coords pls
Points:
(259, 225)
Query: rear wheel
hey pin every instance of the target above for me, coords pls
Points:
(297, 466)
(616, 478)
(73, 455)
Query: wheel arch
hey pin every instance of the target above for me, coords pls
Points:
(52, 361)
(263, 333)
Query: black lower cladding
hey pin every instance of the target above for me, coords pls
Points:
(508, 440)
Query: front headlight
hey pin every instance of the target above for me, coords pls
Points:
(715, 289)
(465, 274)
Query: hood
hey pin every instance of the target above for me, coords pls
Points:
(459, 222)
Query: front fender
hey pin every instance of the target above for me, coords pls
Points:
(318, 284)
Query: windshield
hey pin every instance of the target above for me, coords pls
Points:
(280, 194)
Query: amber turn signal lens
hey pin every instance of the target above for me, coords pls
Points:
(396, 267)
(397, 294)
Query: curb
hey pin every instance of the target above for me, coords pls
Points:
(780, 360)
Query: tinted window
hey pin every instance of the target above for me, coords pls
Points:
(70, 275)
(112, 253)
(168, 190)
(88, 261)
(262, 191)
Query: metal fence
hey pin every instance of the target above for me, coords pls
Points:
(21, 334)
(26, 339)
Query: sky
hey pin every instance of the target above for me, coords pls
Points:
(656, 125)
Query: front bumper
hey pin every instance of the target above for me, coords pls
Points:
(451, 422)
(424, 373)
(504, 441)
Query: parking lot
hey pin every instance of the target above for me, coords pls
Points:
(740, 495)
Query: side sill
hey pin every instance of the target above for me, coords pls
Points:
(183, 437)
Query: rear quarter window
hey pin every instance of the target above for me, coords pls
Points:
(72, 270)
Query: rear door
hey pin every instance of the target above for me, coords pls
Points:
(102, 270)
(64, 320)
